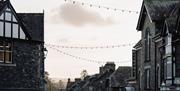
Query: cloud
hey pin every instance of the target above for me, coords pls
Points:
(78, 16)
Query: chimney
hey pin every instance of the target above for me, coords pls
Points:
(69, 80)
(110, 66)
(77, 79)
(101, 69)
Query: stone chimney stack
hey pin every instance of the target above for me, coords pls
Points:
(108, 66)
(69, 80)
(77, 79)
(101, 69)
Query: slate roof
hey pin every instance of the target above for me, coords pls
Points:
(103, 76)
(172, 22)
(158, 9)
(34, 23)
(139, 44)
(76, 86)
(120, 76)
(98, 80)
(90, 80)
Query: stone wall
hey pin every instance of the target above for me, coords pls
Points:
(25, 73)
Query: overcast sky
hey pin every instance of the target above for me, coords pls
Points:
(77, 25)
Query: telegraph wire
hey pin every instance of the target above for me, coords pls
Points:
(73, 56)
(99, 6)
(85, 59)
(91, 47)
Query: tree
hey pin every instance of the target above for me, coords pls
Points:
(52, 85)
(84, 73)
(60, 85)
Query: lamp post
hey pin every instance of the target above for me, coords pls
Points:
(45, 53)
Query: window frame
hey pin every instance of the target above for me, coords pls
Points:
(10, 30)
(147, 79)
(147, 44)
(5, 51)
(159, 76)
(169, 66)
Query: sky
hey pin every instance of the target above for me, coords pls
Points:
(68, 24)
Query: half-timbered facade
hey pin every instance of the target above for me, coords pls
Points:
(21, 49)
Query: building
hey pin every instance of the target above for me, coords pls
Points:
(156, 60)
(75, 85)
(108, 79)
(100, 82)
(21, 49)
(119, 79)
(97, 82)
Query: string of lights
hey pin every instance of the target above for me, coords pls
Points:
(99, 6)
(85, 59)
(91, 47)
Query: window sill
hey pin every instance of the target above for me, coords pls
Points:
(3, 64)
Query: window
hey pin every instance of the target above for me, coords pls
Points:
(15, 31)
(147, 45)
(1, 29)
(147, 78)
(9, 26)
(159, 77)
(8, 29)
(139, 80)
(168, 64)
(177, 58)
(168, 55)
(134, 59)
(169, 68)
(5, 52)
(168, 46)
(2, 17)
(8, 16)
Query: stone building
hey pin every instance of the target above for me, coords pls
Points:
(108, 79)
(75, 85)
(97, 82)
(118, 80)
(156, 60)
(21, 49)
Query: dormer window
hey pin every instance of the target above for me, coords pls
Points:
(5, 51)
